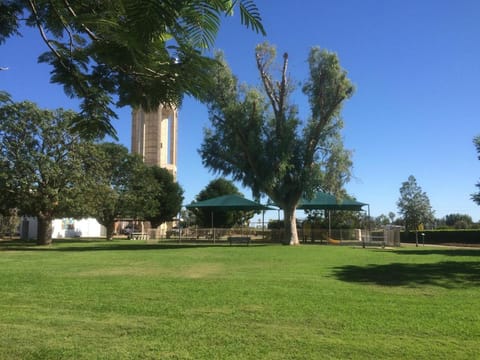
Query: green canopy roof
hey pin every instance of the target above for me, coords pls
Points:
(228, 202)
(324, 201)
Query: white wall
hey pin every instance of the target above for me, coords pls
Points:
(63, 228)
(77, 228)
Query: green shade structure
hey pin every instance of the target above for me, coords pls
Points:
(328, 202)
(228, 202)
(324, 201)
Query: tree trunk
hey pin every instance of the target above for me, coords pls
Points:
(44, 230)
(291, 235)
(110, 227)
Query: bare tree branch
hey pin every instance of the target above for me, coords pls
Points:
(44, 35)
(90, 33)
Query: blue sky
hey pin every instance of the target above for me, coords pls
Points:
(416, 68)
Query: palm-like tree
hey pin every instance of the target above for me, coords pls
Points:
(138, 52)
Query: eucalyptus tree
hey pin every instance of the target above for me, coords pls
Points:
(132, 52)
(258, 138)
(42, 164)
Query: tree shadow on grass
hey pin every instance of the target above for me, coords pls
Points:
(446, 274)
(102, 245)
(443, 251)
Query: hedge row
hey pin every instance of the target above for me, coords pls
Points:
(443, 236)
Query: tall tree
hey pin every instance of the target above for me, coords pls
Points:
(382, 220)
(141, 52)
(391, 216)
(125, 187)
(414, 205)
(113, 177)
(42, 163)
(167, 194)
(476, 142)
(257, 137)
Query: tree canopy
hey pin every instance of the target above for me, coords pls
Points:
(42, 164)
(167, 194)
(112, 178)
(458, 221)
(414, 205)
(476, 196)
(258, 138)
(48, 171)
(130, 189)
(128, 52)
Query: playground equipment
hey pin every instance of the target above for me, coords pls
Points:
(388, 236)
(334, 241)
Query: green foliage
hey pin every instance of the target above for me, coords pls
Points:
(275, 224)
(127, 188)
(476, 196)
(257, 137)
(221, 219)
(414, 205)
(42, 163)
(9, 13)
(9, 222)
(382, 220)
(141, 52)
(169, 197)
(459, 221)
(113, 174)
(218, 187)
(132, 300)
(336, 219)
(451, 236)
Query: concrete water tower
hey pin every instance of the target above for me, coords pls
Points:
(154, 137)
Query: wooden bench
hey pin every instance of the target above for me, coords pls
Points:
(239, 240)
(138, 236)
(373, 241)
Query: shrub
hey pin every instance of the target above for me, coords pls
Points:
(443, 236)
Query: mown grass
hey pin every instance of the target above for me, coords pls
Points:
(133, 300)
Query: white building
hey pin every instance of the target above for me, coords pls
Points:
(77, 228)
(154, 137)
(63, 228)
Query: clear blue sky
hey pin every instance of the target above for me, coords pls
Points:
(416, 67)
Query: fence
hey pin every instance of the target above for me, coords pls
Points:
(388, 236)
(360, 237)
(215, 234)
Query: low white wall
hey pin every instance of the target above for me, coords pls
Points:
(77, 228)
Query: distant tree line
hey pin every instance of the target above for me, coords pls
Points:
(450, 221)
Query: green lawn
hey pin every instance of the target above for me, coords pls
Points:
(132, 300)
